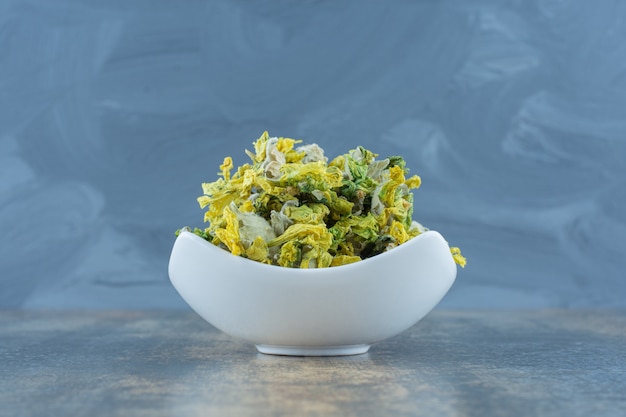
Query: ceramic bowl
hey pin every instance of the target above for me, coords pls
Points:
(313, 312)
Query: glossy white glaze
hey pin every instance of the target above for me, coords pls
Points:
(313, 311)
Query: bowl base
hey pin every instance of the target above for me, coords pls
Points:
(313, 350)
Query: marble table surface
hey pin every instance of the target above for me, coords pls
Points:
(452, 363)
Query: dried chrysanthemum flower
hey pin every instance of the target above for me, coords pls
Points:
(293, 208)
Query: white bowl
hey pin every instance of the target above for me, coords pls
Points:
(327, 311)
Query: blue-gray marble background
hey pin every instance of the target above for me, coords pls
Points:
(113, 112)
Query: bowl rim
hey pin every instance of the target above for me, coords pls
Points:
(429, 234)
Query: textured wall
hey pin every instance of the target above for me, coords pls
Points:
(112, 113)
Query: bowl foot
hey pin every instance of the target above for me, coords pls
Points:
(313, 350)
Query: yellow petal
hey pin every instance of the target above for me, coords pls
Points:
(310, 214)
(284, 145)
(226, 166)
(388, 191)
(247, 207)
(344, 260)
(204, 201)
(289, 254)
(258, 250)
(397, 231)
(324, 177)
(458, 258)
(259, 146)
(229, 235)
(413, 182)
(314, 235)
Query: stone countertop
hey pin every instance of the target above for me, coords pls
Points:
(452, 363)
